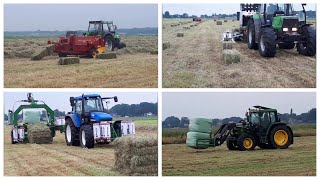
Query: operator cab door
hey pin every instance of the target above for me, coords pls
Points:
(78, 109)
(267, 118)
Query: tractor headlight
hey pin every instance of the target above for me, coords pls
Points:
(285, 29)
(294, 29)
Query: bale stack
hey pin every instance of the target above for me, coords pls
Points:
(109, 55)
(231, 56)
(39, 134)
(136, 156)
(199, 135)
(165, 45)
(68, 60)
(41, 53)
(227, 44)
(180, 34)
(219, 23)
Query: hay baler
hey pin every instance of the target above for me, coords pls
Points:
(72, 44)
(88, 123)
(21, 129)
(262, 128)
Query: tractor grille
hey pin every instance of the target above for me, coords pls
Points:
(289, 23)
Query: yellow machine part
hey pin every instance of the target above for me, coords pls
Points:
(281, 137)
(101, 50)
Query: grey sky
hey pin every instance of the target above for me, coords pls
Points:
(199, 9)
(60, 100)
(32, 17)
(222, 105)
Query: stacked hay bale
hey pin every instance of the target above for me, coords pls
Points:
(165, 45)
(68, 60)
(135, 155)
(109, 55)
(219, 23)
(227, 44)
(41, 53)
(180, 34)
(199, 135)
(39, 134)
(231, 56)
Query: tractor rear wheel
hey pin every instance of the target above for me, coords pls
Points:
(110, 43)
(71, 133)
(286, 45)
(93, 53)
(267, 42)
(308, 48)
(246, 142)
(251, 36)
(86, 136)
(231, 144)
(280, 137)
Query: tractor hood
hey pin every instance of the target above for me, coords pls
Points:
(100, 116)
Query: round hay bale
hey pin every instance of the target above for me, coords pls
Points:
(231, 56)
(180, 34)
(219, 22)
(68, 60)
(109, 55)
(165, 45)
(227, 44)
(39, 134)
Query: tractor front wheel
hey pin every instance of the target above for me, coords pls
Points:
(286, 45)
(71, 133)
(281, 137)
(246, 142)
(93, 53)
(86, 136)
(251, 36)
(267, 42)
(307, 48)
(231, 144)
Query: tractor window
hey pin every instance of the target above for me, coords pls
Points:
(265, 120)
(271, 9)
(254, 118)
(272, 117)
(93, 104)
(78, 107)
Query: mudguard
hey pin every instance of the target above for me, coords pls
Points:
(76, 121)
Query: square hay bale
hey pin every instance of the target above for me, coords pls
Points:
(219, 23)
(214, 20)
(69, 60)
(186, 28)
(180, 34)
(172, 25)
(231, 56)
(225, 21)
(227, 44)
(165, 45)
(191, 25)
(154, 52)
(108, 55)
(41, 53)
(39, 134)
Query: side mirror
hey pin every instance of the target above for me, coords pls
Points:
(72, 103)
(115, 99)
(304, 4)
(115, 27)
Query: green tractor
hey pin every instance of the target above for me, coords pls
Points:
(30, 128)
(107, 30)
(262, 128)
(273, 24)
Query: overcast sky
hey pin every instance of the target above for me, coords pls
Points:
(60, 100)
(199, 9)
(32, 17)
(223, 105)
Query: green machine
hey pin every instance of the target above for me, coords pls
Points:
(31, 128)
(280, 24)
(262, 127)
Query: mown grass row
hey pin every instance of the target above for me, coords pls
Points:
(179, 135)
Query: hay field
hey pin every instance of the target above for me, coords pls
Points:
(58, 159)
(135, 66)
(298, 160)
(195, 61)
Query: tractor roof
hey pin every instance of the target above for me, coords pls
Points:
(262, 109)
(103, 22)
(87, 95)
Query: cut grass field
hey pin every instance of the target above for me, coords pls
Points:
(134, 67)
(195, 61)
(151, 121)
(58, 159)
(298, 160)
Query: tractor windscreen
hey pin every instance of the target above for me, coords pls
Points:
(254, 118)
(95, 27)
(93, 104)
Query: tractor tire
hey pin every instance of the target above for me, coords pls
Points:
(251, 36)
(267, 42)
(286, 45)
(246, 142)
(231, 144)
(265, 146)
(280, 137)
(86, 136)
(93, 53)
(308, 48)
(71, 133)
(12, 142)
(110, 42)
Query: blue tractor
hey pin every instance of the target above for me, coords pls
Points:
(88, 123)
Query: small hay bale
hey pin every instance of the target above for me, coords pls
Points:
(219, 23)
(225, 21)
(109, 55)
(39, 134)
(165, 45)
(214, 20)
(41, 53)
(227, 44)
(172, 25)
(154, 52)
(68, 60)
(180, 34)
(186, 28)
(191, 25)
(231, 56)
